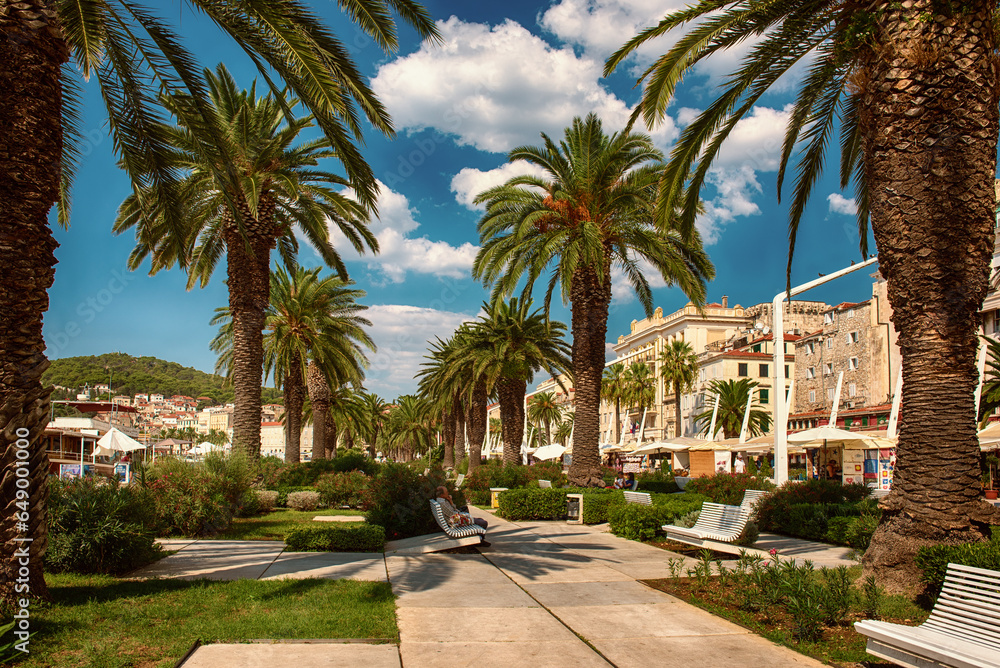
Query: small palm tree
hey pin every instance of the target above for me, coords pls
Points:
(733, 396)
(544, 409)
(679, 368)
(565, 429)
(410, 426)
(590, 212)
(613, 390)
(372, 420)
(442, 386)
(640, 387)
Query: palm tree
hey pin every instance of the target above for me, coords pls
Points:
(244, 214)
(890, 76)
(613, 390)
(732, 407)
(409, 427)
(640, 387)
(442, 386)
(543, 409)
(133, 54)
(592, 211)
(565, 429)
(505, 348)
(311, 320)
(678, 368)
(372, 420)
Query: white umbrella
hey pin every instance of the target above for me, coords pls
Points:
(839, 437)
(551, 451)
(116, 441)
(659, 447)
(989, 437)
(205, 447)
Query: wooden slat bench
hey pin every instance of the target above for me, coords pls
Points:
(963, 630)
(716, 522)
(639, 497)
(459, 480)
(545, 484)
(750, 499)
(463, 531)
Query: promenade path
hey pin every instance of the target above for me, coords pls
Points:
(544, 594)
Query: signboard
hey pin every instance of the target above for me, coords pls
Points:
(124, 472)
(886, 466)
(722, 460)
(70, 471)
(854, 467)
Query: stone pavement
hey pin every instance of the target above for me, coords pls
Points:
(544, 594)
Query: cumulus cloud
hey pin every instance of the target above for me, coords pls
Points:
(840, 204)
(621, 288)
(399, 252)
(403, 335)
(497, 87)
(470, 182)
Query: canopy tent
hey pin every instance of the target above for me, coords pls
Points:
(116, 441)
(551, 451)
(834, 437)
(989, 438)
(205, 447)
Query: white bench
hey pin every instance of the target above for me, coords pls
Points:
(880, 493)
(459, 480)
(963, 630)
(716, 522)
(639, 497)
(545, 484)
(750, 499)
(463, 531)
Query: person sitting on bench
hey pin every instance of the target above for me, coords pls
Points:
(453, 515)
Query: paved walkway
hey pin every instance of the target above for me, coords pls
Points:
(545, 594)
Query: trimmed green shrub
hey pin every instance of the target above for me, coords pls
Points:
(353, 460)
(196, 499)
(267, 498)
(657, 481)
(97, 526)
(303, 500)
(343, 489)
(773, 510)
(353, 537)
(678, 505)
(478, 498)
(532, 504)
(749, 536)
(495, 473)
(596, 505)
(934, 560)
(637, 522)
(400, 500)
(284, 490)
(727, 488)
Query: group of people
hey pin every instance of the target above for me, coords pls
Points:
(625, 481)
(457, 517)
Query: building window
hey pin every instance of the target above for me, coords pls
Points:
(764, 396)
(829, 394)
(828, 319)
(812, 396)
(829, 343)
(828, 369)
(853, 363)
(786, 371)
(763, 371)
(756, 348)
(996, 321)
(852, 337)
(810, 373)
(852, 390)
(743, 370)
(811, 348)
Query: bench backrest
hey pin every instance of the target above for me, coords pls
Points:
(719, 518)
(969, 606)
(439, 516)
(750, 499)
(545, 484)
(426, 471)
(639, 497)
(459, 480)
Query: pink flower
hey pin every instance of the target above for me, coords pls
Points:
(773, 552)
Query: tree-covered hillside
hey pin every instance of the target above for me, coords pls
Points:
(131, 375)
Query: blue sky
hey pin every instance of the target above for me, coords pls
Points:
(505, 72)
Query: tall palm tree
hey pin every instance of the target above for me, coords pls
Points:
(890, 77)
(592, 211)
(640, 387)
(373, 419)
(442, 387)
(311, 319)
(409, 427)
(506, 347)
(244, 214)
(678, 368)
(613, 390)
(132, 54)
(543, 409)
(732, 407)
(565, 429)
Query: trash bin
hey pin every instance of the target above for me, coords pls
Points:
(574, 508)
(495, 496)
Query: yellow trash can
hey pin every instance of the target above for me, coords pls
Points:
(495, 496)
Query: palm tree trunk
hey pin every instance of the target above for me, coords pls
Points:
(590, 297)
(677, 409)
(294, 394)
(930, 160)
(618, 421)
(31, 54)
(319, 397)
(448, 435)
(249, 265)
(512, 417)
(477, 424)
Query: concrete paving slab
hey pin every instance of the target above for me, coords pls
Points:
(500, 655)
(480, 625)
(670, 618)
(527, 569)
(647, 570)
(339, 518)
(216, 560)
(465, 595)
(433, 542)
(328, 566)
(592, 593)
(175, 543)
(300, 655)
(701, 651)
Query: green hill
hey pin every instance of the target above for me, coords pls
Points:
(148, 375)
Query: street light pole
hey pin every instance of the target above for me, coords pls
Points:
(778, 327)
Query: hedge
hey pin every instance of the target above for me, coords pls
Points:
(354, 537)
(934, 560)
(532, 504)
(637, 522)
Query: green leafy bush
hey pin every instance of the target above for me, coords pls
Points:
(772, 511)
(495, 473)
(284, 490)
(657, 481)
(551, 471)
(303, 500)
(197, 499)
(303, 474)
(267, 499)
(678, 505)
(400, 500)
(353, 460)
(478, 498)
(343, 489)
(934, 560)
(354, 537)
(727, 488)
(532, 504)
(97, 526)
(637, 522)
(749, 536)
(597, 504)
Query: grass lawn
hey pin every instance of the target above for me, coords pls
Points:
(104, 622)
(274, 525)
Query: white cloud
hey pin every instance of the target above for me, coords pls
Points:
(621, 288)
(840, 204)
(469, 182)
(403, 334)
(399, 253)
(497, 87)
